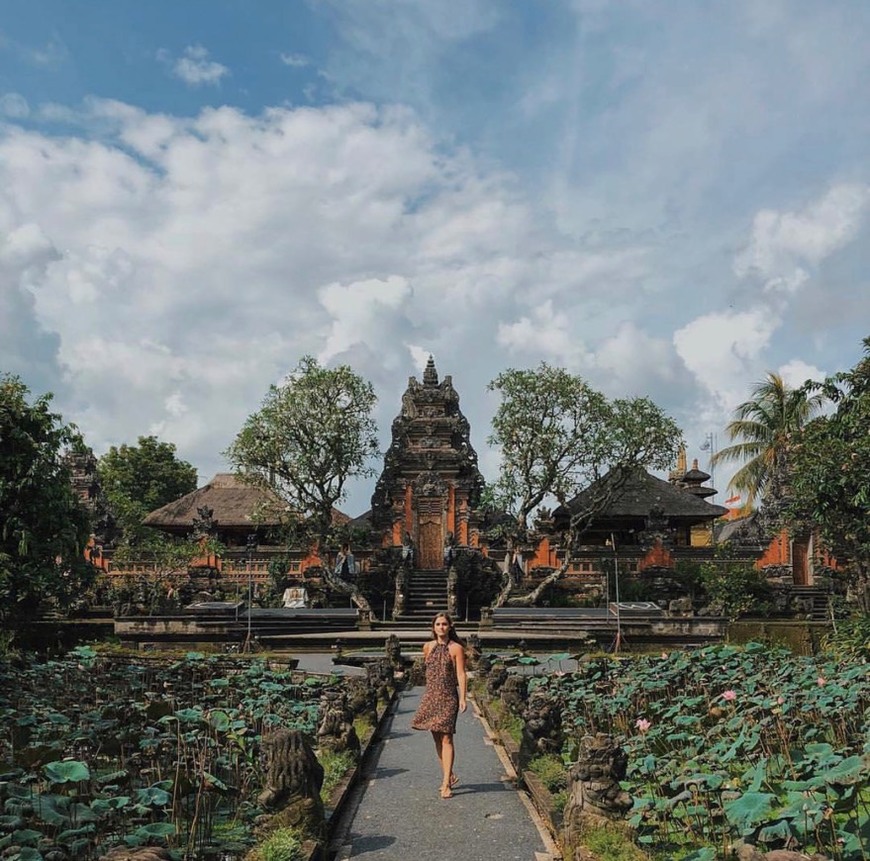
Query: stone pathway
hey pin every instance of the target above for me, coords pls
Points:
(400, 815)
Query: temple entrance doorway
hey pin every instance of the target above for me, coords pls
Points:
(430, 534)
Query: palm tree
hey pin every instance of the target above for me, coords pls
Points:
(763, 426)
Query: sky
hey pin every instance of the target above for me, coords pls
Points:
(670, 199)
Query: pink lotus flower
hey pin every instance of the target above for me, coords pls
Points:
(780, 701)
(664, 656)
(729, 696)
(642, 724)
(821, 681)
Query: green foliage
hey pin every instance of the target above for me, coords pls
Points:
(283, 844)
(850, 639)
(310, 436)
(97, 749)
(728, 744)
(551, 771)
(43, 527)
(335, 767)
(733, 588)
(830, 478)
(136, 480)
(763, 425)
(556, 434)
(611, 845)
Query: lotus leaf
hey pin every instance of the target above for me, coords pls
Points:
(749, 809)
(25, 835)
(67, 771)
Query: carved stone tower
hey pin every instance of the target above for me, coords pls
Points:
(430, 486)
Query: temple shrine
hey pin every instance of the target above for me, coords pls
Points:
(430, 486)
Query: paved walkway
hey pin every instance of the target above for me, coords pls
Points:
(401, 816)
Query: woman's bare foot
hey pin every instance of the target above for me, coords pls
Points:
(446, 792)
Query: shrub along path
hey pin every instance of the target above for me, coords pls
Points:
(400, 814)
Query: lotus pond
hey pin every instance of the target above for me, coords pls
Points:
(728, 744)
(99, 751)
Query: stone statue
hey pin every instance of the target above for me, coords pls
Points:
(393, 648)
(542, 725)
(514, 693)
(595, 779)
(496, 678)
(293, 781)
(381, 678)
(472, 651)
(362, 699)
(335, 731)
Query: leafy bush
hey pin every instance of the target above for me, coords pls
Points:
(850, 639)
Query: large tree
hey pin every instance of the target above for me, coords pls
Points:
(761, 429)
(830, 472)
(558, 435)
(137, 479)
(311, 436)
(43, 526)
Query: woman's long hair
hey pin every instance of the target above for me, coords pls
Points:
(451, 631)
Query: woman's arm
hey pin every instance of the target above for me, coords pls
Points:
(461, 677)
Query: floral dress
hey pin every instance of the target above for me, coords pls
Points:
(440, 703)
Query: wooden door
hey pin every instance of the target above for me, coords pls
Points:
(430, 533)
(431, 544)
(800, 558)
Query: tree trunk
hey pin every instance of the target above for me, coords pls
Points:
(351, 589)
(531, 599)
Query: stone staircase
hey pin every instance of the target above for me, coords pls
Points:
(425, 595)
(814, 600)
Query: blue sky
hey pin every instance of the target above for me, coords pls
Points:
(670, 199)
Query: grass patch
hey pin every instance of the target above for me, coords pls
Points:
(364, 730)
(551, 771)
(612, 846)
(335, 766)
(284, 844)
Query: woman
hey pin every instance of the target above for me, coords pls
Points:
(445, 673)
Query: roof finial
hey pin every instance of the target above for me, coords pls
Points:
(430, 375)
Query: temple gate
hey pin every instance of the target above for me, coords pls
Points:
(431, 485)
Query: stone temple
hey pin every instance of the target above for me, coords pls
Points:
(430, 487)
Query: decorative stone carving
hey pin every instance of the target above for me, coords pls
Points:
(514, 692)
(680, 608)
(430, 459)
(336, 731)
(380, 677)
(595, 779)
(393, 648)
(293, 781)
(483, 666)
(542, 725)
(362, 699)
(496, 678)
(472, 652)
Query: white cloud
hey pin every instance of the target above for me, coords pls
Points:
(194, 68)
(547, 333)
(14, 105)
(782, 240)
(720, 349)
(797, 372)
(296, 61)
